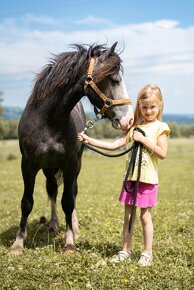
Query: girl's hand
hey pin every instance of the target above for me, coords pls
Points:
(137, 136)
(83, 137)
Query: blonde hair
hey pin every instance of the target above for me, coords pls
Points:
(146, 94)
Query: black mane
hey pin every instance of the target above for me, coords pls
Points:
(65, 68)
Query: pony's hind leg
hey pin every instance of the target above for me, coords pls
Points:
(75, 224)
(29, 175)
(52, 190)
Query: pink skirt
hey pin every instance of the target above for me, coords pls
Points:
(146, 196)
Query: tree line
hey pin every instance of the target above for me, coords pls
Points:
(101, 130)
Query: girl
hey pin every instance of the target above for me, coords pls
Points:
(148, 115)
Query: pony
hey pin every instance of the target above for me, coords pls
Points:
(51, 120)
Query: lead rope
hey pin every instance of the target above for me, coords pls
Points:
(137, 145)
(134, 148)
(106, 154)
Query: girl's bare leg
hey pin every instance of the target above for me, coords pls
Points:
(127, 237)
(146, 220)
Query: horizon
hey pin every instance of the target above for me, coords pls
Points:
(157, 44)
(89, 111)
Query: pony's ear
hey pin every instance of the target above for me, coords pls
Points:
(112, 49)
(109, 51)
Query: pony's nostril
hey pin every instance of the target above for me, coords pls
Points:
(116, 120)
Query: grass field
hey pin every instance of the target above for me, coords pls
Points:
(43, 265)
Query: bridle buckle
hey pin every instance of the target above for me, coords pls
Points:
(89, 78)
(108, 102)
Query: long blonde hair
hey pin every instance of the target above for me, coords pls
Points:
(146, 94)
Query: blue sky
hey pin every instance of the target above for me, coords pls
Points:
(157, 37)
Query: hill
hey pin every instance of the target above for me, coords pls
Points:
(178, 118)
(14, 113)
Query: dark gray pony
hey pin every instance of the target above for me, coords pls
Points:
(52, 119)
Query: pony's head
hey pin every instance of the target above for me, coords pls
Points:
(105, 86)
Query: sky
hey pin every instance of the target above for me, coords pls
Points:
(157, 39)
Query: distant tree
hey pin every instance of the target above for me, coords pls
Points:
(175, 130)
(187, 130)
(10, 129)
(1, 108)
(1, 114)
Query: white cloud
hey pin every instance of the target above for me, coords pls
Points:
(94, 20)
(155, 52)
(30, 18)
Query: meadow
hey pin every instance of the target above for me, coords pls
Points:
(44, 265)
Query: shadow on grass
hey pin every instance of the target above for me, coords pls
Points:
(38, 236)
(106, 250)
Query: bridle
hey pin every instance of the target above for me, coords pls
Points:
(107, 101)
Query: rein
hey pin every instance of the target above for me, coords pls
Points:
(136, 146)
(107, 101)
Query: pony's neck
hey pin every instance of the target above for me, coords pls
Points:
(63, 101)
(72, 97)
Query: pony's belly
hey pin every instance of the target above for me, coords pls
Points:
(50, 154)
(45, 154)
(50, 148)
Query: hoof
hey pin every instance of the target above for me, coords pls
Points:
(16, 251)
(70, 248)
(43, 220)
(53, 227)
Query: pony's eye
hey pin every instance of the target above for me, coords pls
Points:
(114, 81)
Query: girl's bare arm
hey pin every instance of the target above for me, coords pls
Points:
(102, 144)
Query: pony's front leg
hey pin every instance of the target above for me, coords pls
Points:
(26, 206)
(68, 207)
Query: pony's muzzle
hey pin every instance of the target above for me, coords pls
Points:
(122, 124)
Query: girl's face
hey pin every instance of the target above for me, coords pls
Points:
(149, 110)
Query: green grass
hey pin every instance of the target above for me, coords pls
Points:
(44, 265)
